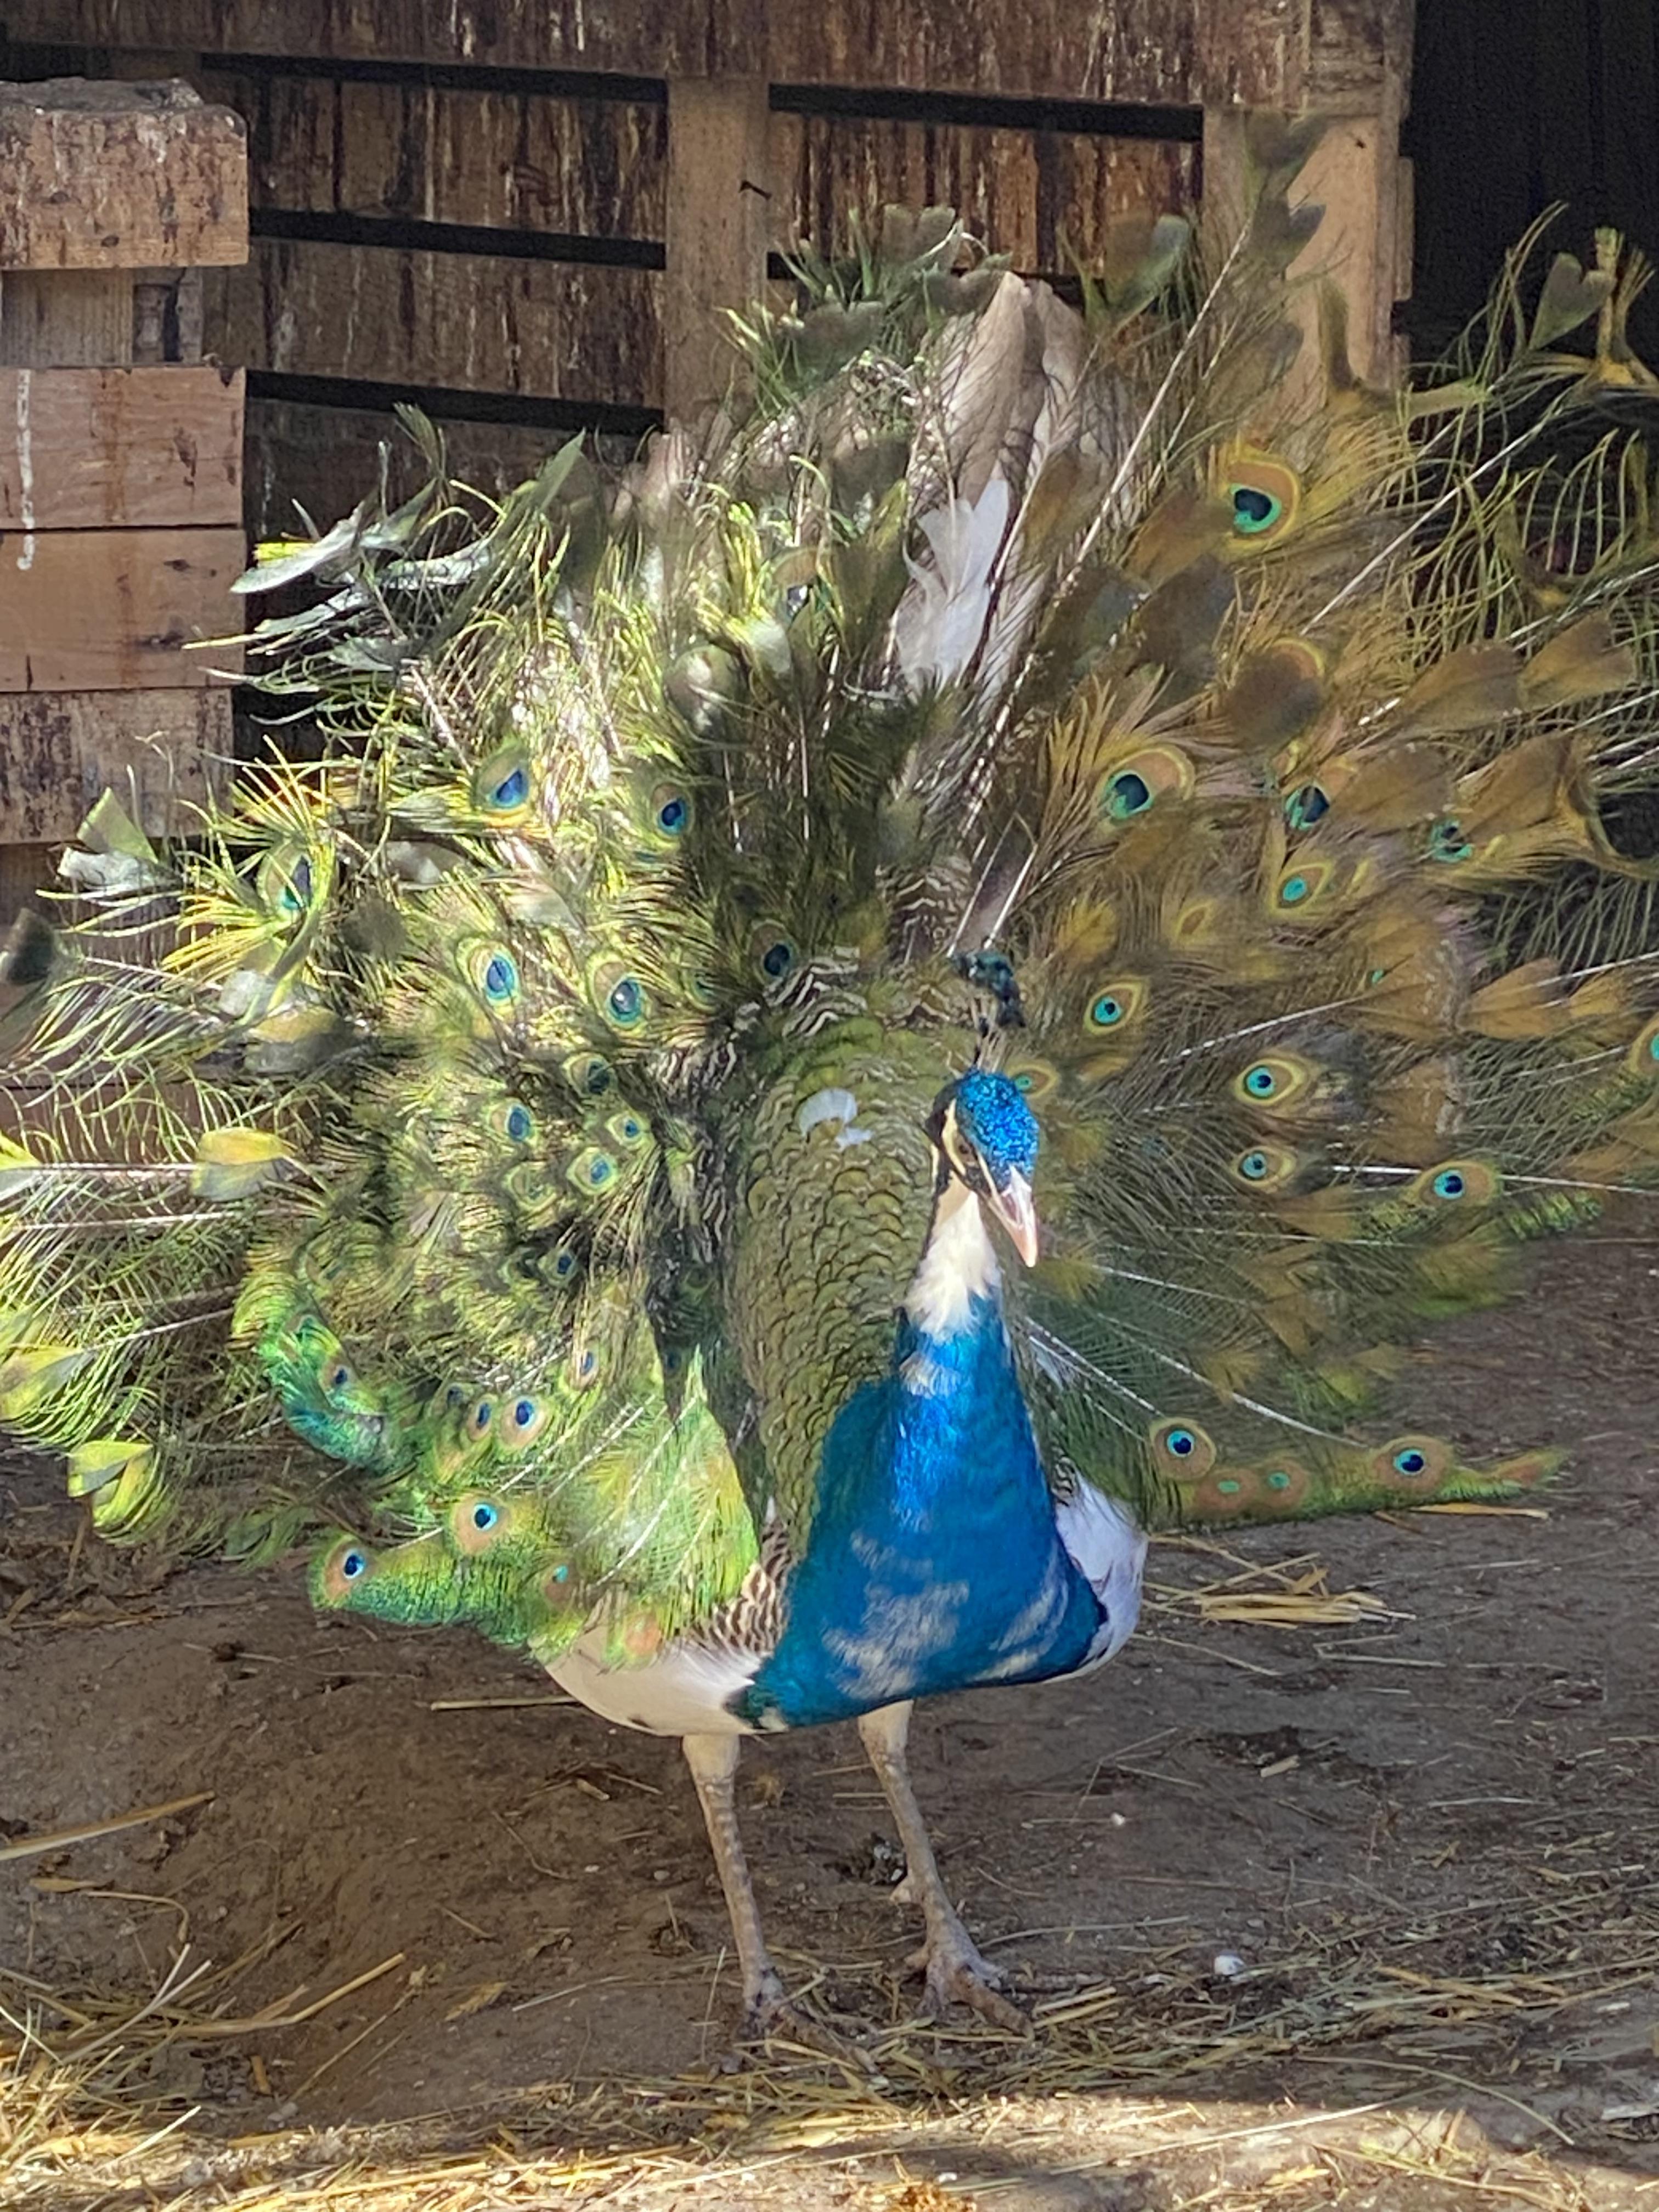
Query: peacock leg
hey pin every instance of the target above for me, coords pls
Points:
(714, 1762)
(954, 1968)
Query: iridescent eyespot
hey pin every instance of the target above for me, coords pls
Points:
(1253, 509)
(626, 1000)
(1447, 841)
(588, 1072)
(1411, 1461)
(1184, 1450)
(340, 1376)
(1127, 793)
(296, 894)
(512, 790)
(670, 811)
(585, 1366)
(1448, 1183)
(776, 955)
(559, 1574)
(565, 1264)
(1293, 891)
(1107, 1012)
(1252, 1166)
(352, 1565)
(1306, 806)
(479, 1419)
(1278, 1479)
(592, 1169)
(1260, 1082)
(520, 1124)
(500, 979)
(1228, 1484)
(484, 1516)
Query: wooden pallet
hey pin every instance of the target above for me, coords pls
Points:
(120, 458)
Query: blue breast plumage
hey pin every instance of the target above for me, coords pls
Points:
(934, 1562)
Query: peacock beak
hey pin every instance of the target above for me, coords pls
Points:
(1016, 1211)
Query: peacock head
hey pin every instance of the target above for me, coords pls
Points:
(987, 1138)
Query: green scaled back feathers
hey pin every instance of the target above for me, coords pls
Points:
(519, 1153)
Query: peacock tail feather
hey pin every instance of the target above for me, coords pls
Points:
(516, 1157)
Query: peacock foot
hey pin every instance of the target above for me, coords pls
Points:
(958, 1973)
(769, 2016)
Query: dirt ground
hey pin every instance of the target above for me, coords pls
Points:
(1286, 1897)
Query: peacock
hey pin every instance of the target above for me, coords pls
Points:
(835, 1029)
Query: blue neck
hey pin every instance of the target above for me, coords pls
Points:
(934, 1562)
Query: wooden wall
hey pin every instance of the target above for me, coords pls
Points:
(474, 206)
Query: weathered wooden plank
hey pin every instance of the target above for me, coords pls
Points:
(505, 161)
(158, 750)
(1044, 198)
(113, 609)
(66, 317)
(1184, 52)
(119, 176)
(327, 458)
(553, 330)
(719, 196)
(647, 38)
(100, 448)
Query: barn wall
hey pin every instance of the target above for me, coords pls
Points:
(469, 206)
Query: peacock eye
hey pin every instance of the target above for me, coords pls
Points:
(1023, 1081)
(524, 1412)
(1253, 509)
(673, 813)
(1410, 1461)
(1278, 1479)
(512, 790)
(1128, 794)
(1305, 807)
(353, 1566)
(1182, 1441)
(1293, 891)
(340, 1378)
(1260, 1082)
(295, 895)
(500, 978)
(1448, 1183)
(1228, 1484)
(560, 1574)
(481, 1416)
(564, 1267)
(484, 1516)
(1106, 1012)
(778, 958)
(519, 1124)
(626, 1001)
(1448, 843)
(1252, 1166)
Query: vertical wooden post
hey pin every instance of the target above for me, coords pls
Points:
(718, 207)
(1354, 174)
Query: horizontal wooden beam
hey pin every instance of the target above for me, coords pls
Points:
(113, 610)
(555, 329)
(119, 176)
(103, 448)
(1179, 52)
(446, 153)
(160, 751)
